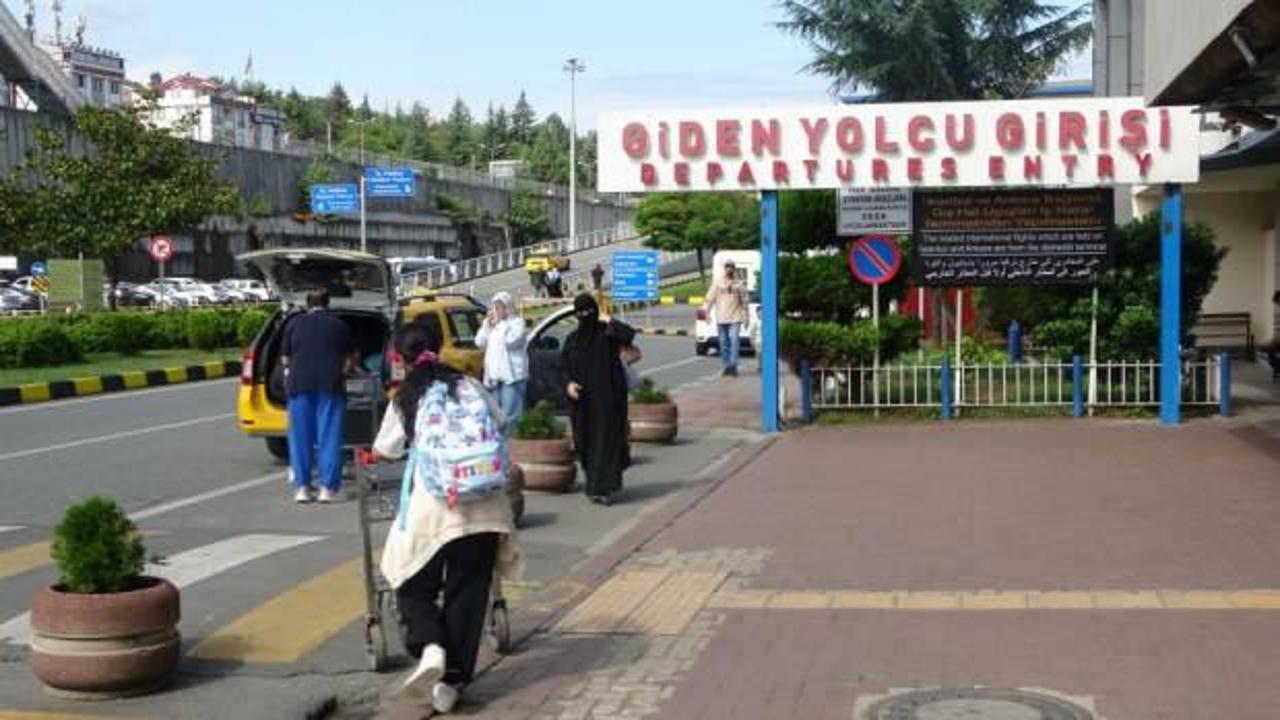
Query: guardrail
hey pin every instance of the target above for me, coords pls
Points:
(461, 271)
(1076, 385)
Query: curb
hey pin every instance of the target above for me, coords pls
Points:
(676, 332)
(79, 387)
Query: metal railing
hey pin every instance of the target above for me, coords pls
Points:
(461, 271)
(1077, 385)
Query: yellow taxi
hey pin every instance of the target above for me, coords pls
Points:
(540, 261)
(362, 293)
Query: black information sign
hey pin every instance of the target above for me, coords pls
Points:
(1012, 237)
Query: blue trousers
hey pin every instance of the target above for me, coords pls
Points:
(316, 423)
(510, 397)
(729, 343)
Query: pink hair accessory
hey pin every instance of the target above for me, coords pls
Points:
(424, 358)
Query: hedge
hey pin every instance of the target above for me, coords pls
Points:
(64, 339)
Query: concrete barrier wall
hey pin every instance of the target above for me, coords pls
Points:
(271, 181)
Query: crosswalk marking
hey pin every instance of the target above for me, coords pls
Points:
(188, 568)
(24, 558)
(292, 624)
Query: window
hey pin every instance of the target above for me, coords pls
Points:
(466, 323)
(115, 87)
(80, 81)
(97, 85)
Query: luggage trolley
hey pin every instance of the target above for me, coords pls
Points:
(378, 502)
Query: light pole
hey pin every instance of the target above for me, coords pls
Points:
(364, 237)
(573, 66)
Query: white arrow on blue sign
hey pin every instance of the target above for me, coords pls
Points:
(334, 199)
(390, 182)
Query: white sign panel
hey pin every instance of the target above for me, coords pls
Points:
(8, 263)
(878, 210)
(1075, 142)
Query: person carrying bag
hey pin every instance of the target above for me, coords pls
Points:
(454, 525)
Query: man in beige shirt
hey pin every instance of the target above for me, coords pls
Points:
(727, 299)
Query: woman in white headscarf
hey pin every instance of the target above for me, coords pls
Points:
(506, 364)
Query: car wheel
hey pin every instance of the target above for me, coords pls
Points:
(278, 447)
(700, 349)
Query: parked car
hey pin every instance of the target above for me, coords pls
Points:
(130, 295)
(546, 373)
(248, 290)
(13, 299)
(25, 283)
(542, 260)
(192, 291)
(172, 297)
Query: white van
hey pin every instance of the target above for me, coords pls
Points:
(747, 268)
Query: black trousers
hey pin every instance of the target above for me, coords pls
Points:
(445, 603)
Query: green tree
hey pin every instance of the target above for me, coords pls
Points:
(806, 220)
(337, 106)
(523, 121)
(527, 218)
(547, 158)
(902, 50)
(138, 180)
(699, 222)
(458, 135)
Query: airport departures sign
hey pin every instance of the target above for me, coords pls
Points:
(1073, 142)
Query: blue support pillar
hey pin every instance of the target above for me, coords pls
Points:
(1077, 386)
(1224, 386)
(1170, 305)
(945, 385)
(769, 411)
(806, 392)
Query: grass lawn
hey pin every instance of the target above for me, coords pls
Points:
(109, 363)
(683, 291)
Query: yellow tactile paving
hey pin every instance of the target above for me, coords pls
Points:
(23, 559)
(928, 600)
(1060, 600)
(669, 608)
(293, 623)
(859, 599)
(1127, 600)
(606, 608)
(739, 599)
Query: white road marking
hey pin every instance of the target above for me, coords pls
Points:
(123, 395)
(151, 512)
(653, 371)
(116, 436)
(10, 528)
(188, 568)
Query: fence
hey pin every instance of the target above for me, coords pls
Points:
(472, 268)
(1076, 385)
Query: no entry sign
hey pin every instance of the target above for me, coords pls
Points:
(161, 248)
(875, 259)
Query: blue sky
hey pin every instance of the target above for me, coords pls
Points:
(656, 53)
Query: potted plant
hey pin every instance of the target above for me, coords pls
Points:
(104, 630)
(543, 452)
(651, 414)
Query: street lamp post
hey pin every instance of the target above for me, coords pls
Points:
(573, 66)
(364, 237)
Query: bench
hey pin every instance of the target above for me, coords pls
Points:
(1212, 328)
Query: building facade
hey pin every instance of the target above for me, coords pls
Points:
(97, 73)
(209, 110)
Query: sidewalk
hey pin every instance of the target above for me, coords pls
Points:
(1119, 570)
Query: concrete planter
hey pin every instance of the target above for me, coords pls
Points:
(105, 646)
(653, 422)
(548, 465)
(515, 493)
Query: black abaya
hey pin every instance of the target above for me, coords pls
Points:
(590, 359)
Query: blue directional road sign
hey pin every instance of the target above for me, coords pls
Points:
(389, 182)
(635, 276)
(38, 269)
(333, 199)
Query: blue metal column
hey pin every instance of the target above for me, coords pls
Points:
(1170, 305)
(1224, 384)
(769, 311)
(1077, 386)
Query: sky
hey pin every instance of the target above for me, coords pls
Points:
(659, 53)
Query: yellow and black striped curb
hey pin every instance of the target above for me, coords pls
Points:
(121, 382)
(672, 332)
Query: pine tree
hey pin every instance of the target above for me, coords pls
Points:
(523, 120)
(459, 138)
(338, 104)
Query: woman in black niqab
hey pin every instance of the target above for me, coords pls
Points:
(597, 388)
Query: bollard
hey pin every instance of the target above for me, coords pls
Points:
(1014, 342)
(806, 392)
(1077, 386)
(946, 388)
(1224, 385)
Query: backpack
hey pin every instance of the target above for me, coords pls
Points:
(458, 451)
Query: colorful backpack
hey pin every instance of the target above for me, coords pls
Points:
(458, 451)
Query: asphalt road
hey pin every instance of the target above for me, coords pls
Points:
(272, 594)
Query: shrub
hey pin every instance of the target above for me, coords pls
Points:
(1060, 339)
(89, 333)
(209, 330)
(539, 423)
(646, 393)
(169, 330)
(97, 548)
(250, 324)
(130, 333)
(36, 342)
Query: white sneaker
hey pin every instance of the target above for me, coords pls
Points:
(327, 497)
(303, 496)
(444, 697)
(419, 686)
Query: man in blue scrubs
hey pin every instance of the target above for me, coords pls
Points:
(318, 351)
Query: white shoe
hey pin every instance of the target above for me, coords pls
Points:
(419, 685)
(444, 697)
(303, 496)
(327, 497)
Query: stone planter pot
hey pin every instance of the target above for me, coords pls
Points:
(653, 423)
(548, 465)
(515, 493)
(105, 646)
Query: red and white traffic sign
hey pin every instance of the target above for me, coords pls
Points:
(875, 259)
(161, 248)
